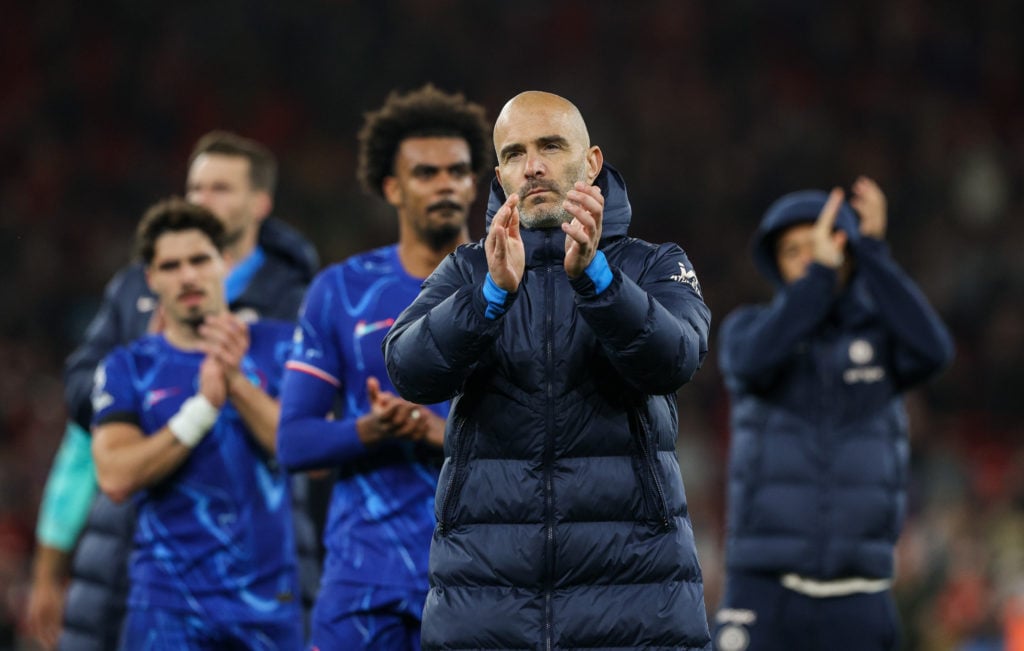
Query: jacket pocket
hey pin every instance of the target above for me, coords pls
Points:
(456, 477)
(656, 504)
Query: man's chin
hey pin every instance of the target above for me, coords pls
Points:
(547, 219)
(441, 235)
(195, 316)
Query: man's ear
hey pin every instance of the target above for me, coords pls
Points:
(264, 205)
(595, 161)
(392, 190)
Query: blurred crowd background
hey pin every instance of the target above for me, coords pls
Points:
(709, 109)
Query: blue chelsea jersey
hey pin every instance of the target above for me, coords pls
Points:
(214, 537)
(381, 517)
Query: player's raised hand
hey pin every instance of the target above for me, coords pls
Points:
(370, 426)
(392, 417)
(212, 381)
(828, 245)
(226, 338)
(582, 234)
(506, 257)
(869, 202)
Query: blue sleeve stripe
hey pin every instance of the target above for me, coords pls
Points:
(495, 297)
(599, 272)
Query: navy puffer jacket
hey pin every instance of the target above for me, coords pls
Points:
(562, 521)
(818, 462)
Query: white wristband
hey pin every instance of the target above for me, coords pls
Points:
(193, 420)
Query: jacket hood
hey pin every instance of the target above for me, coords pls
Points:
(794, 208)
(281, 241)
(617, 211)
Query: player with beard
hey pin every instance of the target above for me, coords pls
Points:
(270, 264)
(561, 342)
(421, 152)
(185, 425)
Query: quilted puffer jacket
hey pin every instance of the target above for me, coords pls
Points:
(562, 521)
(819, 455)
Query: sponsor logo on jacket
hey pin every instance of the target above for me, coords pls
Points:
(862, 353)
(688, 277)
(733, 634)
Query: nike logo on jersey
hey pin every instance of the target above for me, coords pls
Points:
(363, 328)
(159, 395)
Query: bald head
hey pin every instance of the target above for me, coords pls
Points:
(536, 105)
(543, 149)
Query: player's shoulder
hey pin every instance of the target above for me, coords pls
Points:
(271, 329)
(129, 289)
(375, 263)
(146, 346)
(128, 277)
(137, 356)
(271, 341)
(382, 261)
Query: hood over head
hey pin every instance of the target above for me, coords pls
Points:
(617, 211)
(794, 208)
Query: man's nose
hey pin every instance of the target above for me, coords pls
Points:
(535, 166)
(445, 182)
(189, 272)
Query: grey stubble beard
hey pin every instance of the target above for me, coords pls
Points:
(554, 216)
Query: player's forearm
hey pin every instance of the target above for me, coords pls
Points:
(306, 442)
(756, 343)
(903, 306)
(126, 463)
(50, 564)
(435, 433)
(260, 412)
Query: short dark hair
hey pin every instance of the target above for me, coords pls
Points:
(174, 215)
(262, 164)
(424, 113)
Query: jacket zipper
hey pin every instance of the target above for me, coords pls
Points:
(821, 351)
(549, 453)
(455, 478)
(650, 466)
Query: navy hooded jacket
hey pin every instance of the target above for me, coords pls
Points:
(562, 521)
(95, 603)
(819, 455)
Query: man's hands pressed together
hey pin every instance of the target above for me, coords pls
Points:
(583, 233)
